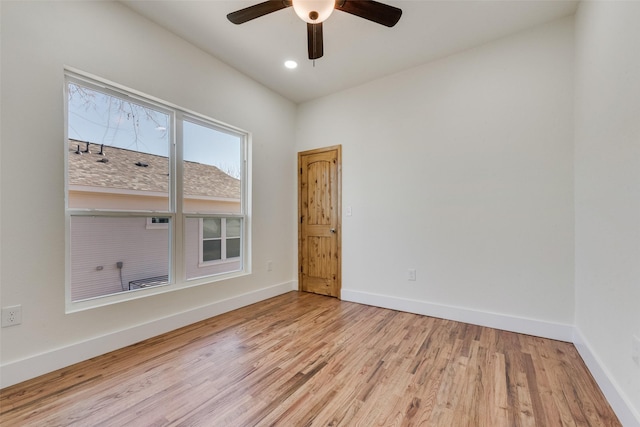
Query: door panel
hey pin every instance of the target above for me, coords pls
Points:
(319, 229)
(319, 196)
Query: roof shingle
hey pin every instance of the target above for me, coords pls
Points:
(120, 168)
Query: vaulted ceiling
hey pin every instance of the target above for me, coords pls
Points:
(355, 50)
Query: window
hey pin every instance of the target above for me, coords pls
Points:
(220, 239)
(158, 223)
(152, 191)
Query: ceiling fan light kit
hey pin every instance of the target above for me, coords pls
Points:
(314, 12)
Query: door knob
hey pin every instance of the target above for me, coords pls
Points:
(333, 230)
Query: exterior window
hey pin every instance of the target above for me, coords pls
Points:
(220, 239)
(122, 152)
(158, 223)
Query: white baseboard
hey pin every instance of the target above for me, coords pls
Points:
(556, 331)
(620, 405)
(21, 370)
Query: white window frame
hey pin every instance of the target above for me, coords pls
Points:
(177, 270)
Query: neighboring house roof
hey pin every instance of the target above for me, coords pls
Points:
(120, 171)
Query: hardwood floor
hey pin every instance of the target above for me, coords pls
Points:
(302, 359)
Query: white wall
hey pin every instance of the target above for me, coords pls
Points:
(462, 169)
(109, 40)
(607, 189)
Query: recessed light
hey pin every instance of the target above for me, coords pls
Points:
(291, 64)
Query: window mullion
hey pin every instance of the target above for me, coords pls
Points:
(178, 192)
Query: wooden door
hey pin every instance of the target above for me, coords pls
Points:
(319, 229)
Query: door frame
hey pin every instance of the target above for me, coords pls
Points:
(338, 199)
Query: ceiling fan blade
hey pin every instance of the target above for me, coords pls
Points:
(371, 10)
(256, 11)
(314, 40)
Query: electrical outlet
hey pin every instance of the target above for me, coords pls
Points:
(411, 274)
(635, 350)
(11, 316)
(269, 265)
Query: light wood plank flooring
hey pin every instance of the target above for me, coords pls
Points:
(302, 359)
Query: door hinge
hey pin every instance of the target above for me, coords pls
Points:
(300, 171)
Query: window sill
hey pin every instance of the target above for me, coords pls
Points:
(134, 294)
(218, 262)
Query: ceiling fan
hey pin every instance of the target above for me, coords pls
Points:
(314, 12)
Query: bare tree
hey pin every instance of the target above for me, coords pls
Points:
(114, 115)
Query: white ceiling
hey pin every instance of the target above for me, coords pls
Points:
(355, 50)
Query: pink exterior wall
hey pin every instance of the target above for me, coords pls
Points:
(98, 243)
